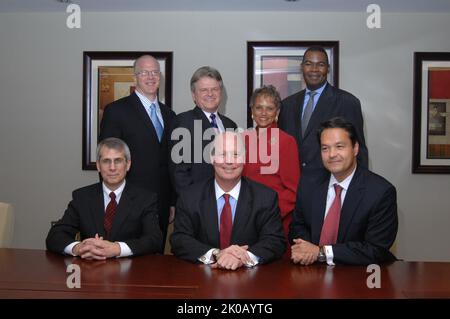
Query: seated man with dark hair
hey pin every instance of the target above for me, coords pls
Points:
(347, 214)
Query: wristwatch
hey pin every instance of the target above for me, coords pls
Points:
(321, 258)
(215, 254)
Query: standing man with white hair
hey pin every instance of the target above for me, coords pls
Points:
(143, 122)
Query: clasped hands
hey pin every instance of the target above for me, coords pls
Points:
(303, 252)
(233, 257)
(96, 248)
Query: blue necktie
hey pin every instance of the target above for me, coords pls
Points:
(156, 123)
(213, 120)
(308, 111)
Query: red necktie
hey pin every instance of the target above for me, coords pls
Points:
(330, 227)
(109, 213)
(226, 223)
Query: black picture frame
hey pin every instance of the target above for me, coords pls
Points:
(283, 60)
(431, 113)
(97, 66)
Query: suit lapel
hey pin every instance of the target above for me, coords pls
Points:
(165, 116)
(352, 199)
(318, 208)
(98, 209)
(143, 115)
(298, 111)
(242, 210)
(322, 108)
(199, 115)
(208, 213)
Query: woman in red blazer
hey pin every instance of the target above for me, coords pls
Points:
(271, 154)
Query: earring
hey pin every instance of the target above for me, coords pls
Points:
(252, 117)
(276, 118)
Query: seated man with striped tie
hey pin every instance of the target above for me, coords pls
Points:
(113, 218)
(228, 221)
(346, 214)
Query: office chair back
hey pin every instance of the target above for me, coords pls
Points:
(6, 225)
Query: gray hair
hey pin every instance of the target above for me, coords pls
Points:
(115, 144)
(266, 91)
(205, 71)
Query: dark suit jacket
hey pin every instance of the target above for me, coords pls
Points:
(368, 222)
(135, 221)
(185, 174)
(257, 222)
(128, 120)
(332, 102)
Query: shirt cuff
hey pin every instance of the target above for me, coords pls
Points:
(207, 258)
(329, 253)
(255, 260)
(125, 250)
(68, 249)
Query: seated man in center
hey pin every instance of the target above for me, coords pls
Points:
(228, 221)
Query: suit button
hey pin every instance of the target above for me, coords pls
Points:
(303, 164)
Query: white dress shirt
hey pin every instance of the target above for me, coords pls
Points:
(331, 194)
(125, 250)
(234, 196)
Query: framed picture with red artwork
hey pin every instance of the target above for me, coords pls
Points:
(431, 113)
(278, 63)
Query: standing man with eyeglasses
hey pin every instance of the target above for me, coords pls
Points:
(143, 123)
(302, 112)
(195, 129)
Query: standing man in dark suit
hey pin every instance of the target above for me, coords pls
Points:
(143, 123)
(302, 112)
(359, 231)
(228, 221)
(195, 129)
(113, 218)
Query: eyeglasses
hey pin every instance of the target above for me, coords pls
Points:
(116, 161)
(145, 73)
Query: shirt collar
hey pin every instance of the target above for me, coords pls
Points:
(145, 101)
(345, 183)
(318, 91)
(118, 191)
(208, 113)
(233, 193)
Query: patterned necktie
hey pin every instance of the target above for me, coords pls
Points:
(213, 120)
(330, 228)
(109, 213)
(155, 120)
(308, 111)
(226, 223)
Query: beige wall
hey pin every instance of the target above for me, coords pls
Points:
(41, 99)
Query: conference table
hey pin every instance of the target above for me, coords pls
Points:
(39, 274)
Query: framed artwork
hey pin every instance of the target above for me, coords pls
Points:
(431, 113)
(278, 63)
(107, 77)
